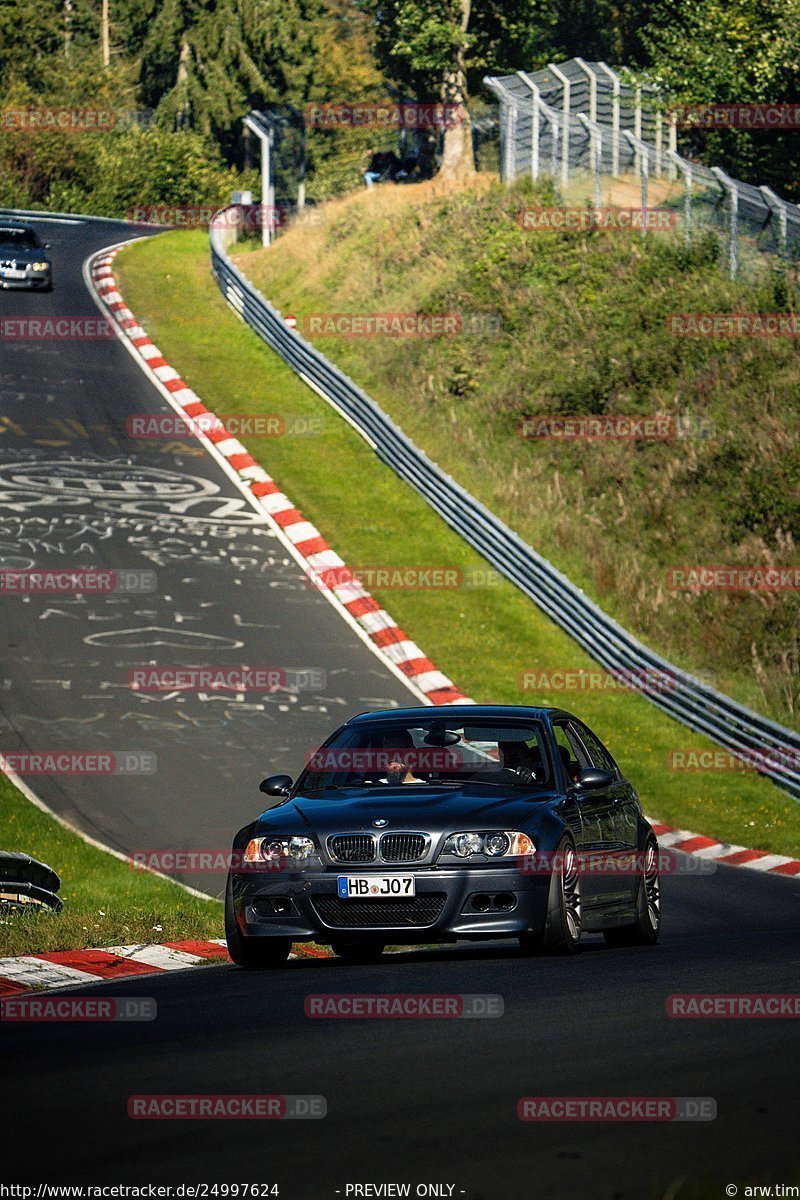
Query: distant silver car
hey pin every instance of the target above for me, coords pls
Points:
(24, 259)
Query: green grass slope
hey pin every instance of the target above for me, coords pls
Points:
(582, 321)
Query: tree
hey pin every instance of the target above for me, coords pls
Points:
(439, 48)
(705, 51)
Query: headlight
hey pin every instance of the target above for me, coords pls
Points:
(274, 851)
(497, 843)
(464, 844)
(40, 266)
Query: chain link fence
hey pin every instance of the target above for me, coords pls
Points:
(574, 118)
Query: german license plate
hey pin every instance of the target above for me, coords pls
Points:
(375, 887)
(8, 273)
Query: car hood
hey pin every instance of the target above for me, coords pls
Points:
(432, 810)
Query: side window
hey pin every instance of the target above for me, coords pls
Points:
(570, 750)
(598, 753)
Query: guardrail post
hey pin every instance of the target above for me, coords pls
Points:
(729, 187)
(659, 143)
(562, 79)
(614, 77)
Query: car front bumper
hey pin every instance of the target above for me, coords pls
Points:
(41, 281)
(450, 903)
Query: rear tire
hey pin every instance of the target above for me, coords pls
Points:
(563, 925)
(254, 954)
(645, 929)
(358, 952)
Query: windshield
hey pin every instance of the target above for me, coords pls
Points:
(431, 753)
(24, 238)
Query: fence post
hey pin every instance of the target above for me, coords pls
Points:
(659, 143)
(562, 79)
(637, 124)
(643, 160)
(674, 161)
(511, 166)
(673, 140)
(729, 187)
(596, 155)
(779, 208)
(536, 100)
(612, 75)
(587, 70)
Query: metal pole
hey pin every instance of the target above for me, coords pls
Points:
(554, 151)
(266, 187)
(612, 75)
(643, 158)
(595, 155)
(587, 70)
(676, 162)
(729, 187)
(673, 140)
(512, 139)
(779, 208)
(536, 99)
(637, 123)
(562, 79)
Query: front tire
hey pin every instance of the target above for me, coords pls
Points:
(645, 929)
(358, 952)
(563, 925)
(254, 954)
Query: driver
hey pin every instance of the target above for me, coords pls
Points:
(518, 757)
(398, 770)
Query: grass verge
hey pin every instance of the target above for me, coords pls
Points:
(106, 903)
(481, 636)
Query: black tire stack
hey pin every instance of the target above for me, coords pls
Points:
(26, 884)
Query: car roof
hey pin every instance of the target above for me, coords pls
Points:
(465, 712)
(16, 226)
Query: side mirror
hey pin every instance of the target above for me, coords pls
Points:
(592, 779)
(276, 785)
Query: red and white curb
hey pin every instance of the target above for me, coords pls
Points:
(74, 968)
(322, 564)
(670, 838)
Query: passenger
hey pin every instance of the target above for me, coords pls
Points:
(382, 164)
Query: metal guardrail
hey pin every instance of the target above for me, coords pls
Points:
(690, 701)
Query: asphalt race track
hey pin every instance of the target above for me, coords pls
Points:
(412, 1102)
(226, 592)
(422, 1101)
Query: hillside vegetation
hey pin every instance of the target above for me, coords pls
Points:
(578, 326)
